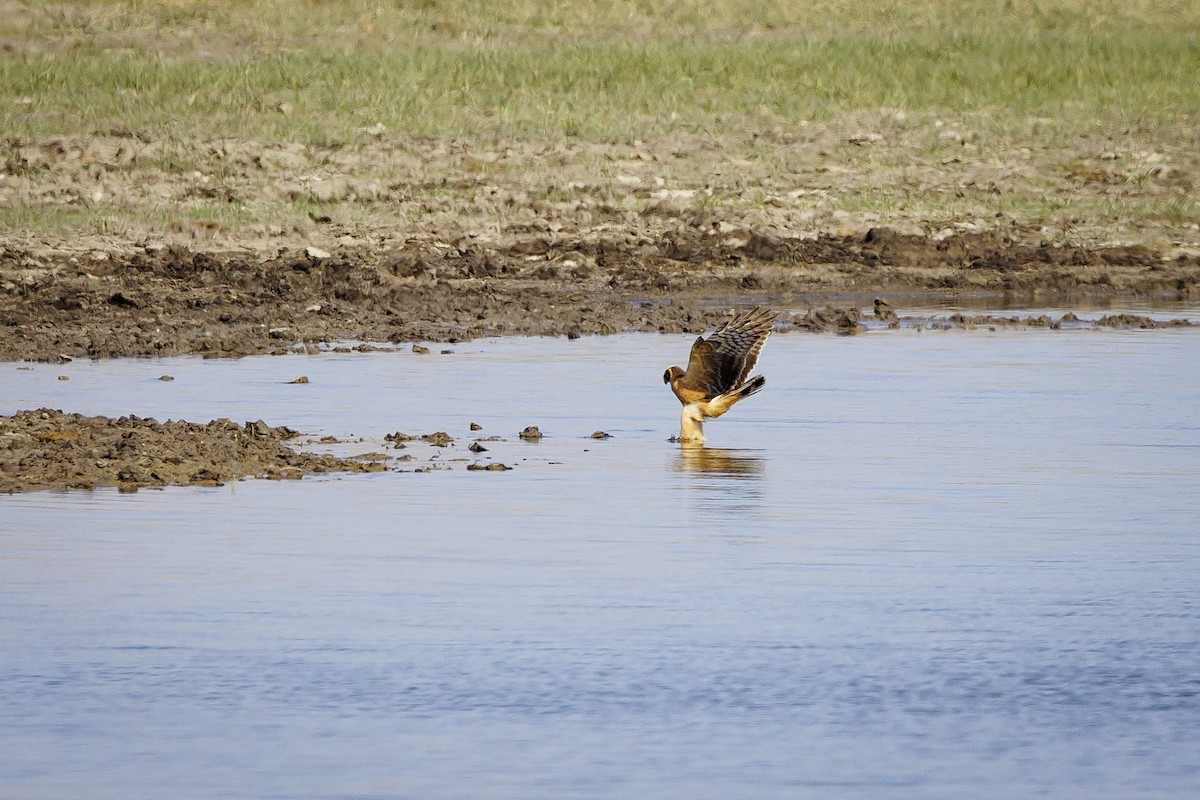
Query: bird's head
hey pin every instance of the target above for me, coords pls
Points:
(671, 374)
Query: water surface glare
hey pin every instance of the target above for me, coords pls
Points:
(918, 565)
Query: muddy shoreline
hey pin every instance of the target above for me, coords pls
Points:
(58, 304)
(49, 449)
(171, 300)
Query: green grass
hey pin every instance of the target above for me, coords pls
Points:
(653, 80)
(598, 92)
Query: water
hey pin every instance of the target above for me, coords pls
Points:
(918, 565)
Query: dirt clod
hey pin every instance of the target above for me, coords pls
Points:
(495, 466)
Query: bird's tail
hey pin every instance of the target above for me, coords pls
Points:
(722, 403)
(751, 386)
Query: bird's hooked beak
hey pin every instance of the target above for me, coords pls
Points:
(667, 376)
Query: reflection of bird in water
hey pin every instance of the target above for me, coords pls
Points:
(722, 482)
(715, 461)
(716, 373)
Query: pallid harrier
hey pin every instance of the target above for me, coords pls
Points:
(717, 368)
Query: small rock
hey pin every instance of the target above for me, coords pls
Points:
(301, 379)
(120, 300)
(418, 349)
(495, 467)
(63, 358)
(439, 439)
(205, 477)
(315, 252)
(63, 378)
(259, 428)
(531, 434)
(601, 435)
(285, 474)
(476, 447)
(475, 426)
(166, 378)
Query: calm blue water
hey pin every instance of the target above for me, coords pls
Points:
(918, 565)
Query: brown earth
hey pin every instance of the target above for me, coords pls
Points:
(47, 449)
(175, 301)
(229, 248)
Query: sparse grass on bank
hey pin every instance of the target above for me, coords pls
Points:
(928, 109)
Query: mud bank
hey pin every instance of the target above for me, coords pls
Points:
(49, 449)
(172, 300)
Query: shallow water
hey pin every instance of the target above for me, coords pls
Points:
(917, 565)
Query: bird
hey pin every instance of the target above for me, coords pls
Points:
(715, 377)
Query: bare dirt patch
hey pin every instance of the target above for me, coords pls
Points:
(173, 300)
(228, 248)
(48, 449)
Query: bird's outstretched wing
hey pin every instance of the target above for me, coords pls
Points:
(722, 362)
